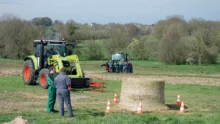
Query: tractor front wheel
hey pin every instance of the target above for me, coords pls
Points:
(42, 78)
(28, 73)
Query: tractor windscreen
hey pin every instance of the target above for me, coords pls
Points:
(53, 49)
(117, 56)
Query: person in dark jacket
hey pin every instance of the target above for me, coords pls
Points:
(110, 64)
(51, 90)
(62, 82)
(125, 67)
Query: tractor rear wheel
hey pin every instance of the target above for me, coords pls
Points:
(28, 73)
(42, 78)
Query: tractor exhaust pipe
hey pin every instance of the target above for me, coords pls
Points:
(41, 55)
(126, 57)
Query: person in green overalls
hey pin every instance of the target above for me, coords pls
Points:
(51, 90)
(116, 66)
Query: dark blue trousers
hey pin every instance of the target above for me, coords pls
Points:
(63, 95)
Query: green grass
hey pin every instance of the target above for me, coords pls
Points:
(202, 105)
(10, 60)
(139, 67)
(155, 67)
(159, 68)
(10, 64)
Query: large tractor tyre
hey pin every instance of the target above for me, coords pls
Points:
(42, 78)
(28, 73)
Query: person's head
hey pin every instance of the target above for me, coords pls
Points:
(63, 70)
(52, 69)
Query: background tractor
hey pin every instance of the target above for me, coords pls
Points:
(52, 51)
(119, 63)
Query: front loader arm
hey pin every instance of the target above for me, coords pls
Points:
(55, 61)
(75, 59)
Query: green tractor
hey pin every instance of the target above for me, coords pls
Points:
(119, 63)
(52, 51)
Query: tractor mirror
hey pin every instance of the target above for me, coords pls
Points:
(69, 49)
(70, 45)
(36, 54)
(70, 52)
(34, 45)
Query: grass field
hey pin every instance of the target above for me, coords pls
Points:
(202, 102)
(140, 67)
(159, 68)
(16, 99)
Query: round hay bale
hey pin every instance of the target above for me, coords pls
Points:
(18, 120)
(149, 90)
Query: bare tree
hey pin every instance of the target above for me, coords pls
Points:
(18, 36)
(169, 44)
(94, 50)
(71, 27)
(151, 48)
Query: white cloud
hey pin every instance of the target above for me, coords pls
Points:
(122, 11)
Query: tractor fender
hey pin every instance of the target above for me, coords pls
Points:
(33, 60)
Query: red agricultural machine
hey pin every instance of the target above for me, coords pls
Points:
(119, 63)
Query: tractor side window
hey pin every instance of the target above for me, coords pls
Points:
(37, 50)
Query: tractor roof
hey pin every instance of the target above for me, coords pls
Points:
(118, 53)
(49, 41)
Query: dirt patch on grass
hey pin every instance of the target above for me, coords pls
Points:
(212, 81)
(63, 120)
(76, 97)
(18, 106)
(11, 65)
(25, 101)
(202, 80)
(18, 120)
(18, 102)
(45, 96)
(31, 95)
(8, 72)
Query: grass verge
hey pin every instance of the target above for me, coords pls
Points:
(202, 105)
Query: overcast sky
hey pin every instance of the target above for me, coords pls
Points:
(106, 11)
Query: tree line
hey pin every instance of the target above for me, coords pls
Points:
(172, 40)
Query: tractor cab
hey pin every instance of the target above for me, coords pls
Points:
(120, 56)
(51, 45)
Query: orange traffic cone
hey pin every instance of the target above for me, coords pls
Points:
(182, 108)
(115, 101)
(139, 108)
(108, 109)
(178, 103)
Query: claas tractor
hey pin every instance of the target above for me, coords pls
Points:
(52, 51)
(118, 63)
